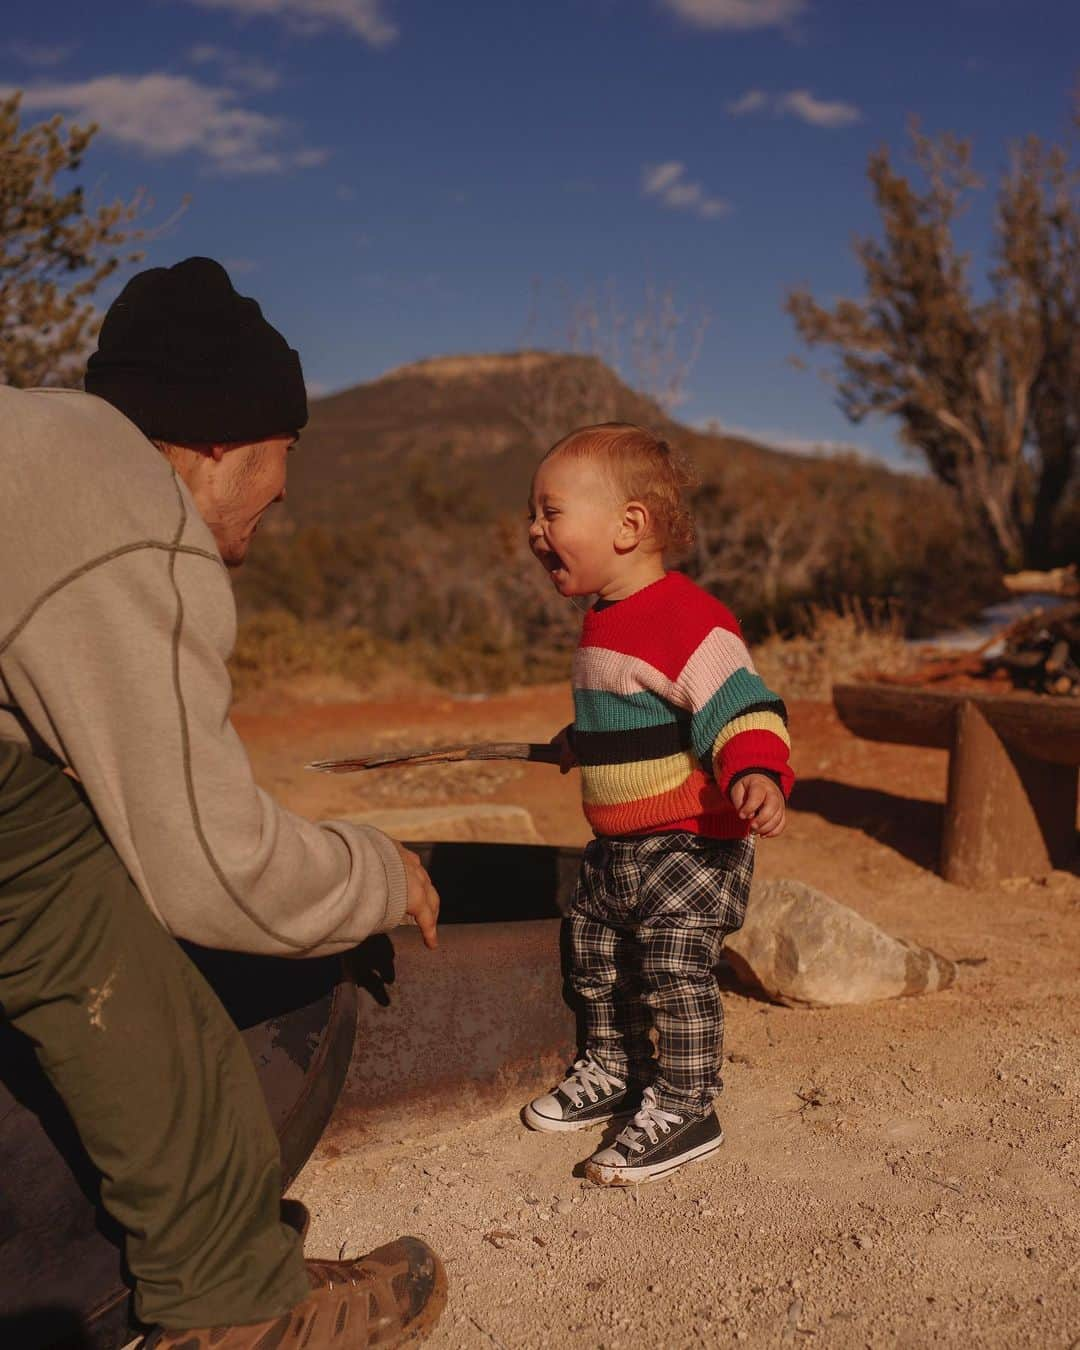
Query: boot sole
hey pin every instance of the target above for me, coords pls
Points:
(420, 1327)
(601, 1175)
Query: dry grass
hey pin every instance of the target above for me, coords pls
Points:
(835, 646)
(276, 648)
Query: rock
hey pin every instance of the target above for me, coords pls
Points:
(804, 948)
(484, 822)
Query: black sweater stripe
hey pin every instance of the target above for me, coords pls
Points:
(773, 705)
(644, 743)
(629, 747)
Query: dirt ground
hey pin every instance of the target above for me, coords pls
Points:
(899, 1174)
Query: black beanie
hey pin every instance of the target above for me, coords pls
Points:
(188, 360)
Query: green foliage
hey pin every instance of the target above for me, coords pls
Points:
(54, 251)
(987, 391)
(810, 533)
(277, 645)
(464, 606)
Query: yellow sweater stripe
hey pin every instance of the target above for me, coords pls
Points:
(615, 784)
(758, 721)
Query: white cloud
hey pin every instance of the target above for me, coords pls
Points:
(657, 177)
(364, 18)
(737, 14)
(754, 100)
(246, 71)
(160, 114)
(799, 103)
(819, 112)
(41, 53)
(668, 183)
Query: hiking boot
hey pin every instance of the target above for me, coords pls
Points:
(655, 1143)
(588, 1096)
(393, 1296)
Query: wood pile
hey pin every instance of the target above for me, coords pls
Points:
(1039, 653)
(1042, 652)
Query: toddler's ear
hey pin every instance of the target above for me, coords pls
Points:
(635, 524)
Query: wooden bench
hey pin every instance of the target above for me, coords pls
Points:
(1013, 771)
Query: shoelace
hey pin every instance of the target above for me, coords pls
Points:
(587, 1076)
(650, 1122)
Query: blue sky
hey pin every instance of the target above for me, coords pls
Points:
(401, 178)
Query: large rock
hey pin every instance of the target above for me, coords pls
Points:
(803, 948)
(485, 822)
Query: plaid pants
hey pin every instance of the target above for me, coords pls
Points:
(646, 925)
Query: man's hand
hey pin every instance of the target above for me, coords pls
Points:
(757, 798)
(567, 759)
(422, 902)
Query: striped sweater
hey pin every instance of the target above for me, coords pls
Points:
(668, 712)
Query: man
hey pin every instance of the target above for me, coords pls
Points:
(121, 509)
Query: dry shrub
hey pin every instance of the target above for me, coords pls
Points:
(834, 646)
(275, 645)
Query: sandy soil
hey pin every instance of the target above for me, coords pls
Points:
(900, 1174)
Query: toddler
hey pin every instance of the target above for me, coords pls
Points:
(683, 754)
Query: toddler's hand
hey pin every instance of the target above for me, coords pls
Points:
(567, 759)
(757, 798)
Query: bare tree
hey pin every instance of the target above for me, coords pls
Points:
(587, 381)
(54, 251)
(556, 392)
(1039, 232)
(986, 391)
(665, 345)
(763, 546)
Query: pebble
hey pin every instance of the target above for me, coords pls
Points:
(563, 1208)
(863, 1241)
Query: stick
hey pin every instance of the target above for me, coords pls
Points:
(448, 754)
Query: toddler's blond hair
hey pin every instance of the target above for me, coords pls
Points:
(646, 469)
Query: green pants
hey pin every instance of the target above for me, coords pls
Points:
(152, 1070)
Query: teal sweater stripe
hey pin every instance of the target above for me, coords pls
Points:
(739, 692)
(598, 710)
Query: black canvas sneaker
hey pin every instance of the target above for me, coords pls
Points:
(587, 1097)
(655, 1143)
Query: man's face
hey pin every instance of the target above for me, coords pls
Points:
(238, 483)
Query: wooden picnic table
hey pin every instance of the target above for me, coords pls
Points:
(1014, 770)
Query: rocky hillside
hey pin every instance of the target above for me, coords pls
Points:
(406, 508)
(464, 431)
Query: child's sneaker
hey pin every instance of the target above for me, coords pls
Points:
(655, 1143)
(590, 1095)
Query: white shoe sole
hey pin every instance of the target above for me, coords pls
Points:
(601, 1175)
(548, 1125)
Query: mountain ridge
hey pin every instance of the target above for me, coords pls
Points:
(471, 427)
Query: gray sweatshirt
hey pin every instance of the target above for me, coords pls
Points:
(116, 620)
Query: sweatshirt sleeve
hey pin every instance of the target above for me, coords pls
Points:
(738, 725)
(121, 671)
